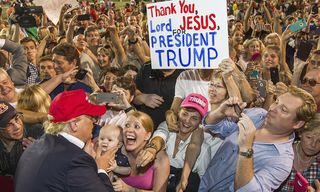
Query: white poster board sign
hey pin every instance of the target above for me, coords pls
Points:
(52, 8)
(188, 33)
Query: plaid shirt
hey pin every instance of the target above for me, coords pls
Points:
(32, 74)
(312, 173)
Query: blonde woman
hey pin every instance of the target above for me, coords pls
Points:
(33, 99)
(252, 53)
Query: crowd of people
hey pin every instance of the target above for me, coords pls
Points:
(81, 108)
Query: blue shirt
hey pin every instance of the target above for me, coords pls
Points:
(73, 86)
(272, 161)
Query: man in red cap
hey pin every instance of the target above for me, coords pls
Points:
(57, 161)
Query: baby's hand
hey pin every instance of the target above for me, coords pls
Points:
(113, 165)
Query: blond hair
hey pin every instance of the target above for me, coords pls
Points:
(144, 118)
(309, 107)
(246, 45)
(54, 128)
(115, 127)
(34, 98)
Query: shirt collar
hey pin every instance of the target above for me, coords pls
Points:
(282, 147)
(72, 139)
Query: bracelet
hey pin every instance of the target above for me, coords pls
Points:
(132, 42)
(129, 109)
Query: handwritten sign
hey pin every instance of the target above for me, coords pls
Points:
(188, 33)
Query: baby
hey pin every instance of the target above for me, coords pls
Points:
(111, 136)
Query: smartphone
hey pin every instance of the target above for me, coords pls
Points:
(315, 9)
(300, 183)
(274, 73)
(298, 26)
(261, 87)
(68, 6)
(83, 17)
(254, 75)
(304, 50)
(256, 56)
(238, 110)
(81, 74)
(104, 97)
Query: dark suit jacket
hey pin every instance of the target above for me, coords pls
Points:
(52, 163)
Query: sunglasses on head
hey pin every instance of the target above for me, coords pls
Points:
(311, 82)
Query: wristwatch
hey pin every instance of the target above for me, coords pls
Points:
(127, 110)
(247, 154)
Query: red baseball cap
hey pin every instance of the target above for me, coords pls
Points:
(71, 104)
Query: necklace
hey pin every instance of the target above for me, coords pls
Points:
(300, 159)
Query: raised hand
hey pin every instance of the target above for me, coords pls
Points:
(172, 121)
(227, 107)
(247, 132)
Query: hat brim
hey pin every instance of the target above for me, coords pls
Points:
(95, 110)
(194, 106)
(7, 118)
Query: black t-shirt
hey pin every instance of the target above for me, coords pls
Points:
(151, 81)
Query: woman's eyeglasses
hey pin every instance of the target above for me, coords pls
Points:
(311, 82)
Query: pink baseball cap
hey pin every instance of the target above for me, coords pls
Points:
(196, 101)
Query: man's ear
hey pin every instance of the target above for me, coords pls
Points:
(74, 62)
(298, 125)
(73, 126)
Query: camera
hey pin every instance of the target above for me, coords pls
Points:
(68, 6)
(24, 14)
(83, 17)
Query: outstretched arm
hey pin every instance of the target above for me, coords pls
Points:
(192, 154)
(19, 67)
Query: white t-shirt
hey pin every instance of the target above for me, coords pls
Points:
(190, 82)
(209, 147)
